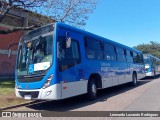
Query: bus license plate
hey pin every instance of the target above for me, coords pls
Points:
(27, 97)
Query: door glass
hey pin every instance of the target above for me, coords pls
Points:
(68, 57)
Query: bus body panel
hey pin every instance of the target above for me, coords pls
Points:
(73, 78)
(38, 84)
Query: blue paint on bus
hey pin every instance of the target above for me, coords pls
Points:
(152, 65)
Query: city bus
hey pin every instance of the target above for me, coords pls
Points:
(152, 65)
(58, 61)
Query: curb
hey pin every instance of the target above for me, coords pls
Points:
(19, 105)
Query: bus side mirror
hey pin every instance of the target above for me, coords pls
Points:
(9, 53)
(68, 40)
(9, 49)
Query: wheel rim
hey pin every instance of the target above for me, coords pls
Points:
(94, 89)
(135, 80)
(154, 73)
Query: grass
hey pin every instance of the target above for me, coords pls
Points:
(7, 94)
(7, 87)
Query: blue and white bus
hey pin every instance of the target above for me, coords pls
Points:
(152, 65)
(59, 61)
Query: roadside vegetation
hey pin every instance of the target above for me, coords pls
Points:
(6, 87)
(152, 48)
(7, 94)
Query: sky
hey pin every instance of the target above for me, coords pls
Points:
(129, 22)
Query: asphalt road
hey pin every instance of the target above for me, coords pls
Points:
(144, 97)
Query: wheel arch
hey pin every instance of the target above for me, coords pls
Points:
(97, 78)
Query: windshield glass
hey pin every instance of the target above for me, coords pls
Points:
(35, 53)
(35, 56)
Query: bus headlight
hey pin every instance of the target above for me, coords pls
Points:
(47, 83)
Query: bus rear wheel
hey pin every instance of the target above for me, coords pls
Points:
(134, 79)
(92, 90)
(154, 74)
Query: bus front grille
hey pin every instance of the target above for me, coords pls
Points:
(30, 79)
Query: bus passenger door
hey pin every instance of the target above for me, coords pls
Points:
(122, 65)
(122, 73)
(70, 66)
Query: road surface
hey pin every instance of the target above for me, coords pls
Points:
(144, 97)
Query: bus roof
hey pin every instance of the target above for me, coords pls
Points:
(96, 37)
(87, 34)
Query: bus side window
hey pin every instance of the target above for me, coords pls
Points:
(129, 57)
(68, 57)
(135, 57)
(93, 49)
(140, 59)
(109, 52)
(120, 54)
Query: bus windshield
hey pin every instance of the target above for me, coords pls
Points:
(35, 56)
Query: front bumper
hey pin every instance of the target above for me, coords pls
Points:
(52, 92)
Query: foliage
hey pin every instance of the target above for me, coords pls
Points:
(152, 48)
(74, 12)
(7, 5)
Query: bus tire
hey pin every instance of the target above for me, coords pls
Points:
(154, 74)
(92, 90)
(134, 79)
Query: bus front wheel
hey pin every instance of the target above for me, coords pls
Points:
(92, 90)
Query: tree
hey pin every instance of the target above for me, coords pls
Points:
(74, 12)
(152, 48)
(7, 5)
